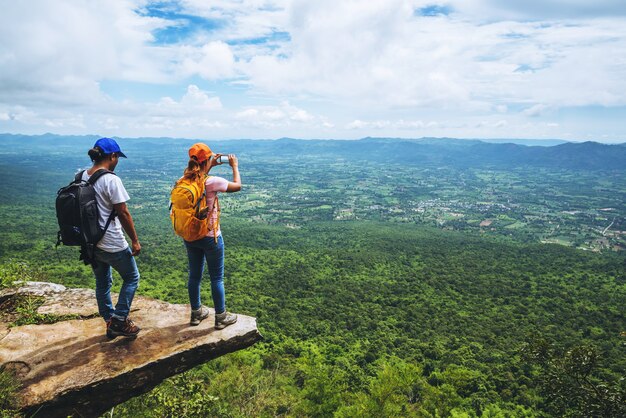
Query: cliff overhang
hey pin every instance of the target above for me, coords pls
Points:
(70, 367)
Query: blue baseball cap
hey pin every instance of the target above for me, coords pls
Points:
(109, 146)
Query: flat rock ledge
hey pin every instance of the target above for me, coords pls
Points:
(70, 368)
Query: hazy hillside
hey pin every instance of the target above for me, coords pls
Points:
(425, 151)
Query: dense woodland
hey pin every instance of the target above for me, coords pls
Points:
(360, 318)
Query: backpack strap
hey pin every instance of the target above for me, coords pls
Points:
(106, 226)
(94, 177)
(99, 173)
(92, 180)
(79, 176)
(202, 195)
(216, 203)
(200, 199)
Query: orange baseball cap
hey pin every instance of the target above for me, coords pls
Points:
(200, 151)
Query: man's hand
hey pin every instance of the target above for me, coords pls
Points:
(136, 248)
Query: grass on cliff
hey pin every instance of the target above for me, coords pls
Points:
(20, 310)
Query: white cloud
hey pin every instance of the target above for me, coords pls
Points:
(353, 51)
(536, 110)
(196, 109)
(492, 124)
(400, 124)
(195, 106)
(378, 55)
(277, 116)
(501, 108)
(58, 51)
(248, 114)
(326, 124)
(196, 113)
(76, 121)
(500, 124)
(357, 124)
(341, 61)
(198, 99)
(242, 19)
(213, 60)
(296, 114)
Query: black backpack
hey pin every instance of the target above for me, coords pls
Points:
(77, 213)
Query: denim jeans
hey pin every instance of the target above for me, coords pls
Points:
(124, 263)
(213, 252)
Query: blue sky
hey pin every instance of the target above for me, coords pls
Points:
(315, 69)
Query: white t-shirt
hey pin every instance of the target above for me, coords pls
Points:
(110, 191)
(213, 185)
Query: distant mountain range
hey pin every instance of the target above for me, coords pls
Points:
(469, 153)
(439, 141)
(432, 152)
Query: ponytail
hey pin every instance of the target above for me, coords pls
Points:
(96, 154)
(194, 169)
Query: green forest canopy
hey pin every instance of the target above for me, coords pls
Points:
(361, 318)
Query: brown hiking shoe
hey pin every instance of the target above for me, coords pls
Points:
(125, 328)
(224, 319)
(198, 315)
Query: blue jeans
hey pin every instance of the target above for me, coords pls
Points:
(213, 252)
(124, 263)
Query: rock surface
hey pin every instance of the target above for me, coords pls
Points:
(72, 368)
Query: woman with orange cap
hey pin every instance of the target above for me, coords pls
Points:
(211, 247)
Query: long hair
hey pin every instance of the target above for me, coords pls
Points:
(194, 170)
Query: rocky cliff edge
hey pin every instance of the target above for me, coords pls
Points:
(71, 368)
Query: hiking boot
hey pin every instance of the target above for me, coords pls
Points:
(224, 319)
(119, 328)
(198, 315)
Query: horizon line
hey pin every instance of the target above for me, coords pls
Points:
(539, 140)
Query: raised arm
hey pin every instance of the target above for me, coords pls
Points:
(235, 185)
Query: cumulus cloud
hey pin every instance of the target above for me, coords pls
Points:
(195, 98)
(196, 109)
(536, 110)
(59, 51)
(357, 124)
(195, 113)
(416, 65)
(242, 19)
(400, 124)
(381, 55)
(352, 50)
(276, 116)
(211, 61)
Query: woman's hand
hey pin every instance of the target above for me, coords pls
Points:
(214, 161)
(232, 160)
(235, 185)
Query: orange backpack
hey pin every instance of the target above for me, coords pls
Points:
(187, 199)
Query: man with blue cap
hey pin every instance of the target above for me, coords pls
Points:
(113, 250)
